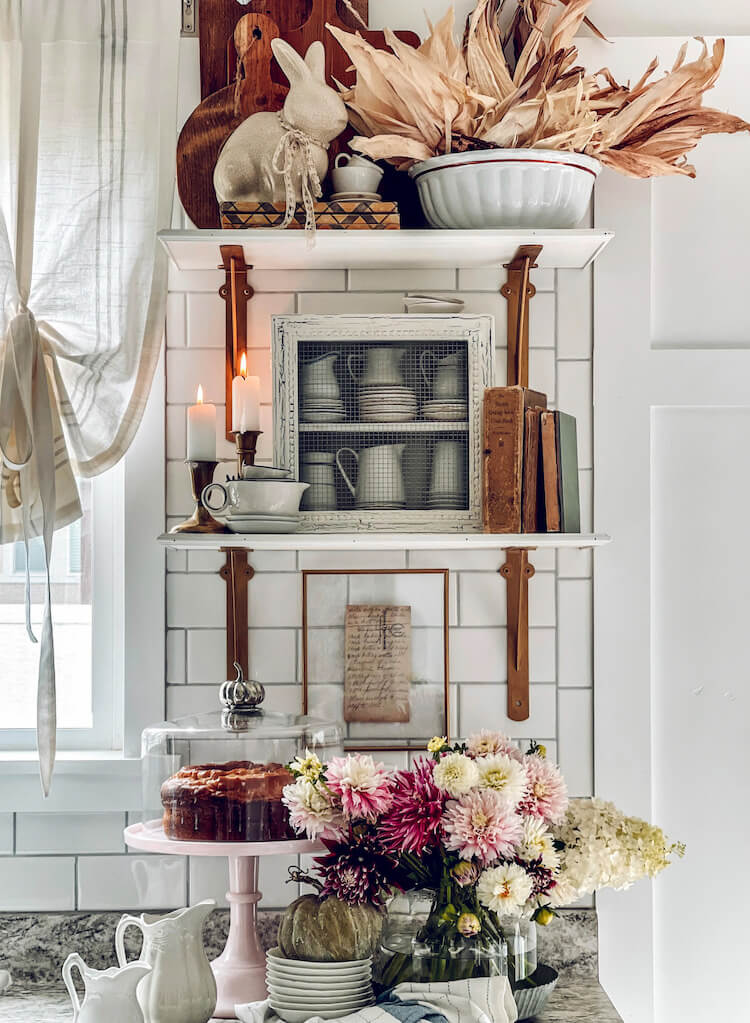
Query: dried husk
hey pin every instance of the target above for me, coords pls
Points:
(515, 81)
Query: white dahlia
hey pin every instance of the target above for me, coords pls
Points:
(455, 774)
(538, 844)
(506, 776)
(505, 889)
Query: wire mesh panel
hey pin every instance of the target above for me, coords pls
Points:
(360, 407)
(379, 424)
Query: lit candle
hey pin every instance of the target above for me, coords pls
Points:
(245, 400)
(201, 431)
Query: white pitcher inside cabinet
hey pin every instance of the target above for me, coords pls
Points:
(181, 987)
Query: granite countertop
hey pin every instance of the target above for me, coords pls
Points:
(576, 1000)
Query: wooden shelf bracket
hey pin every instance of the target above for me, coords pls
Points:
(236, 293)
(518, 290)
(237, 573)
(517, 571)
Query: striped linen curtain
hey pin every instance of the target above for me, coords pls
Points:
(87, 130)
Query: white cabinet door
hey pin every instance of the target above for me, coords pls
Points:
(672, 593)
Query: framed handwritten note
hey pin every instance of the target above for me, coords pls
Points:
(371, 640)
(377, 663)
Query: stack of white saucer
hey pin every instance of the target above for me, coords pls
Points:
(298, 989)
(445, 410)
(322, 410)
(387, 404)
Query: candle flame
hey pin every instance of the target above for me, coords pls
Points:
(200, 395)
(243, 365)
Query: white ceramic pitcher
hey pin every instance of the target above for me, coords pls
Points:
(382, 367)
(447, 382)
(380, 476)
(318, 379)
(181, 987)
(109, 995)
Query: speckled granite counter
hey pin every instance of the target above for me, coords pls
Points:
(579, 1000)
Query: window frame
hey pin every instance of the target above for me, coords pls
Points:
(128, 606)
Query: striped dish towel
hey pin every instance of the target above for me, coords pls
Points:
(478, 1000)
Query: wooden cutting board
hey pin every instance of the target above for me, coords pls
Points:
(218, 115)
(217, 21)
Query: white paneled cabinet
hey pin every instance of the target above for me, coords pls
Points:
(672, 602)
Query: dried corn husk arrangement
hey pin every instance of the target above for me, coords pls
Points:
(515, 82)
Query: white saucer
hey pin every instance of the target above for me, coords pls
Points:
(258, 524)
(353, 196)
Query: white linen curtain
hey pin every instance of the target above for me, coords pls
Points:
(88, 94)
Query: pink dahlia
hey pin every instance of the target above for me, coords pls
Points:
(413, 819)
(486, 743)
(363, 786)
(483, 826)
(547, 794)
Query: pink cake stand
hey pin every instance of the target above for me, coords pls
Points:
(240, 970)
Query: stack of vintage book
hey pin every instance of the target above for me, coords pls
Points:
(530, 464)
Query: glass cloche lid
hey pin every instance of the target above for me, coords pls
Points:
(232, 753)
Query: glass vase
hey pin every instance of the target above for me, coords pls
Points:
(520, 937)
(421, 943)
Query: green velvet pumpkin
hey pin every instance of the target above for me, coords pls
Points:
(327, 930)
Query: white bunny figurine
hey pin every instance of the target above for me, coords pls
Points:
(275, 156)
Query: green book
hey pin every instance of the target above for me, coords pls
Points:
(567, 480)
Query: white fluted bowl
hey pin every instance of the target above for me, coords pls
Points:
(501, 188)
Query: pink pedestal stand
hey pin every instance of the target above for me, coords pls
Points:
(240, 970)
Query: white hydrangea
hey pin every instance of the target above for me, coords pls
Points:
(606, 849)
(456, 774)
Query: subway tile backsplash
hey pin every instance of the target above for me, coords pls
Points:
(77, 861)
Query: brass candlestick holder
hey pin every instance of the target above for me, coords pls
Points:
(201, 521)
(246, 442)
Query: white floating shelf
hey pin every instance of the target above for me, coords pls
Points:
(289, 250)
(380, 541)
(413, 427)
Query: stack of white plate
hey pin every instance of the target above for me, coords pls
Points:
(445, 410)
(387, 404)
(298, 989)
(322, 410)
(450, 501)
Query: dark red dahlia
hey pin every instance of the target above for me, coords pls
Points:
(414, 818)
(357, 870)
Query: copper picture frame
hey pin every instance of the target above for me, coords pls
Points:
(373, 746)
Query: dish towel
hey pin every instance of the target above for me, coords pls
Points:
(478, 1000)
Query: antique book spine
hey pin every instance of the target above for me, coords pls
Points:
(532, 497)
(567, 457)
(551, 472)
(503, 456)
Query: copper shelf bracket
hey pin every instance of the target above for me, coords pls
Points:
(236, 573)
(236, 293)
(517, 571)
(518, 290)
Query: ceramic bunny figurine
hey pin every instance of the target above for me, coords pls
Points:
(275, 156)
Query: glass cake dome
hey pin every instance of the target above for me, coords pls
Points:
(219, 776)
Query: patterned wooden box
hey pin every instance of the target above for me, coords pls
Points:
(338, 215)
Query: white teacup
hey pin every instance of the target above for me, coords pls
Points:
(355, 174)
(241, 498)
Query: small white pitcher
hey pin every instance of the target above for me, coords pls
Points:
(181, 987)
(109, 995)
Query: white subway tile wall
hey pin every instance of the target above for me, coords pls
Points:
(69, 861)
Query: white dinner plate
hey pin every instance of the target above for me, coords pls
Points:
(274, 958)
(339, 992)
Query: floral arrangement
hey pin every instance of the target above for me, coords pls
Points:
(488, 829)
(516, 81)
